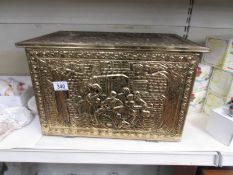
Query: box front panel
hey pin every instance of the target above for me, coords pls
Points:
(116, 94)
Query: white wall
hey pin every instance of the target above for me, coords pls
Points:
(211, 17)
(24, 19)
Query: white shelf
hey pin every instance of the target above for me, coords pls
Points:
(226, 159)
(98, 157)
(196, 148)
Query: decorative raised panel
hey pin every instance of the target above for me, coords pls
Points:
(117, 94)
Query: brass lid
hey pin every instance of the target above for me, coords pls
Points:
(110, 40)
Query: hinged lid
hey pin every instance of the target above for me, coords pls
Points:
(110, 40)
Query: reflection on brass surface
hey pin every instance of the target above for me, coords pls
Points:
(114, 93)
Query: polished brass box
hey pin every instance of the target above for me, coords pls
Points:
(119, 85)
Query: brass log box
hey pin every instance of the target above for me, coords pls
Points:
(112, 85)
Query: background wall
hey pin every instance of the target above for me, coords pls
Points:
(24, 19)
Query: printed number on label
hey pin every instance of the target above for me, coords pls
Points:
(60, 86)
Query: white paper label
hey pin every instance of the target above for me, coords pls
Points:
(60, 86)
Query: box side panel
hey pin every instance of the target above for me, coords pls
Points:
(114, 94)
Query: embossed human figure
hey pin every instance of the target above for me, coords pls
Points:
(138, 100)
(92, 97)
(130, 113)
(123, 95)
(112, 102)
(142, 104)
(110, 108)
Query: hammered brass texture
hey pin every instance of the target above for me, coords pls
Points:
(113, 40)
(114, 94)
(121, 85)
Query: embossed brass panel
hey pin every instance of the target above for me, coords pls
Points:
(134, 86)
